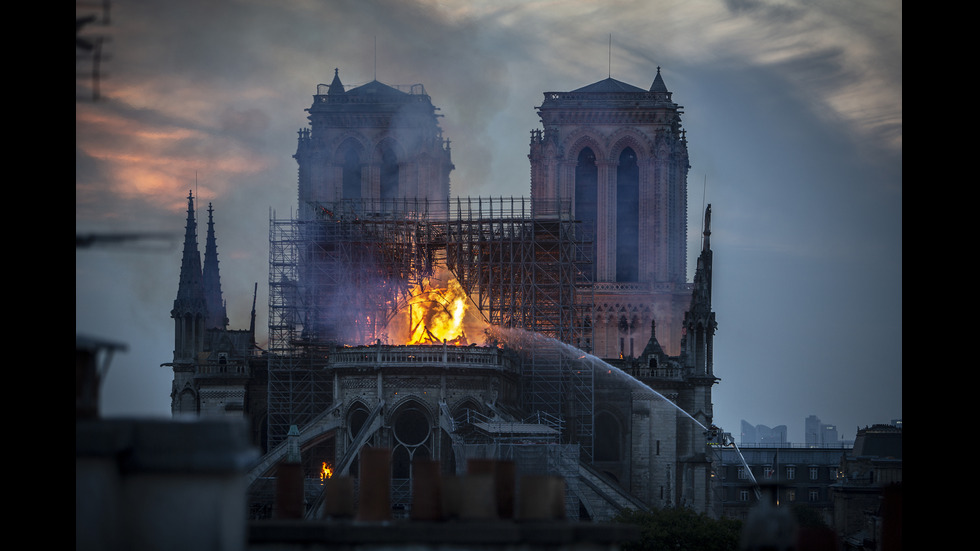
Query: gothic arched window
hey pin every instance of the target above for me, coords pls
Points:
(389, 174)
(627, 217)
(412, 438)
(352, 175)
(586, 196)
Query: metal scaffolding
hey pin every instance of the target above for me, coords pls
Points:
(340, 277)
(297, 385)
(526, 269)
(336, 279)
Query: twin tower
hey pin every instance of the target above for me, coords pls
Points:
(610, 154)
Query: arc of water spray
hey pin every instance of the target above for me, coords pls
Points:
(520, 339)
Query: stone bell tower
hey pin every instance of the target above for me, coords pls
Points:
(371, 144)
(617, 155)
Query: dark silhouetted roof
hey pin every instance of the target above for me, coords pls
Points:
(376, 88)
(879, 441)
(609, 85)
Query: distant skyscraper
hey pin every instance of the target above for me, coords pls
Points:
(820, 434)
(773, 435)
(748, 433)
(762, 434)
(811, 431)
(828, 434)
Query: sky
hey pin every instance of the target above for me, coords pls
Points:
(793, 114)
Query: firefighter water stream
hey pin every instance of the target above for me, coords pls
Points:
(528, 341)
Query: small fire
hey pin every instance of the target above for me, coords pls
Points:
(326, 471)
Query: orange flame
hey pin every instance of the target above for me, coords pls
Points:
(437, 315)
(325, 472)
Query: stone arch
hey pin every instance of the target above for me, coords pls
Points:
(582, 138)
(411, 435)
(388, 143)
(586, 178)
(388, 155)
(585, 187)
(355, 417)
(623, 322)
(349, 156)
(468, 402)
(346, 141)
(628, 324)
(405, 397)
(389, 180)
(629, 137)
(411, 424)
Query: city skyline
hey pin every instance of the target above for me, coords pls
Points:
(793, 117)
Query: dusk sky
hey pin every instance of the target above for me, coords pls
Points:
(793, 113)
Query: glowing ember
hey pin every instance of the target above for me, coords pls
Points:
(325, 472)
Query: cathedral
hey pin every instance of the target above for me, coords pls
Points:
(558, 331)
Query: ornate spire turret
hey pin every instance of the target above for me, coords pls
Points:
(336, 87)
(659, 89)
(658, 84)
(190, 290)
(190, 306)
(701, 300)
(702, 274)
(217, 316)
(699, 321)
(653, 347)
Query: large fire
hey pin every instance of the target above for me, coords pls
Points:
(437, 312)
(437, 315)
